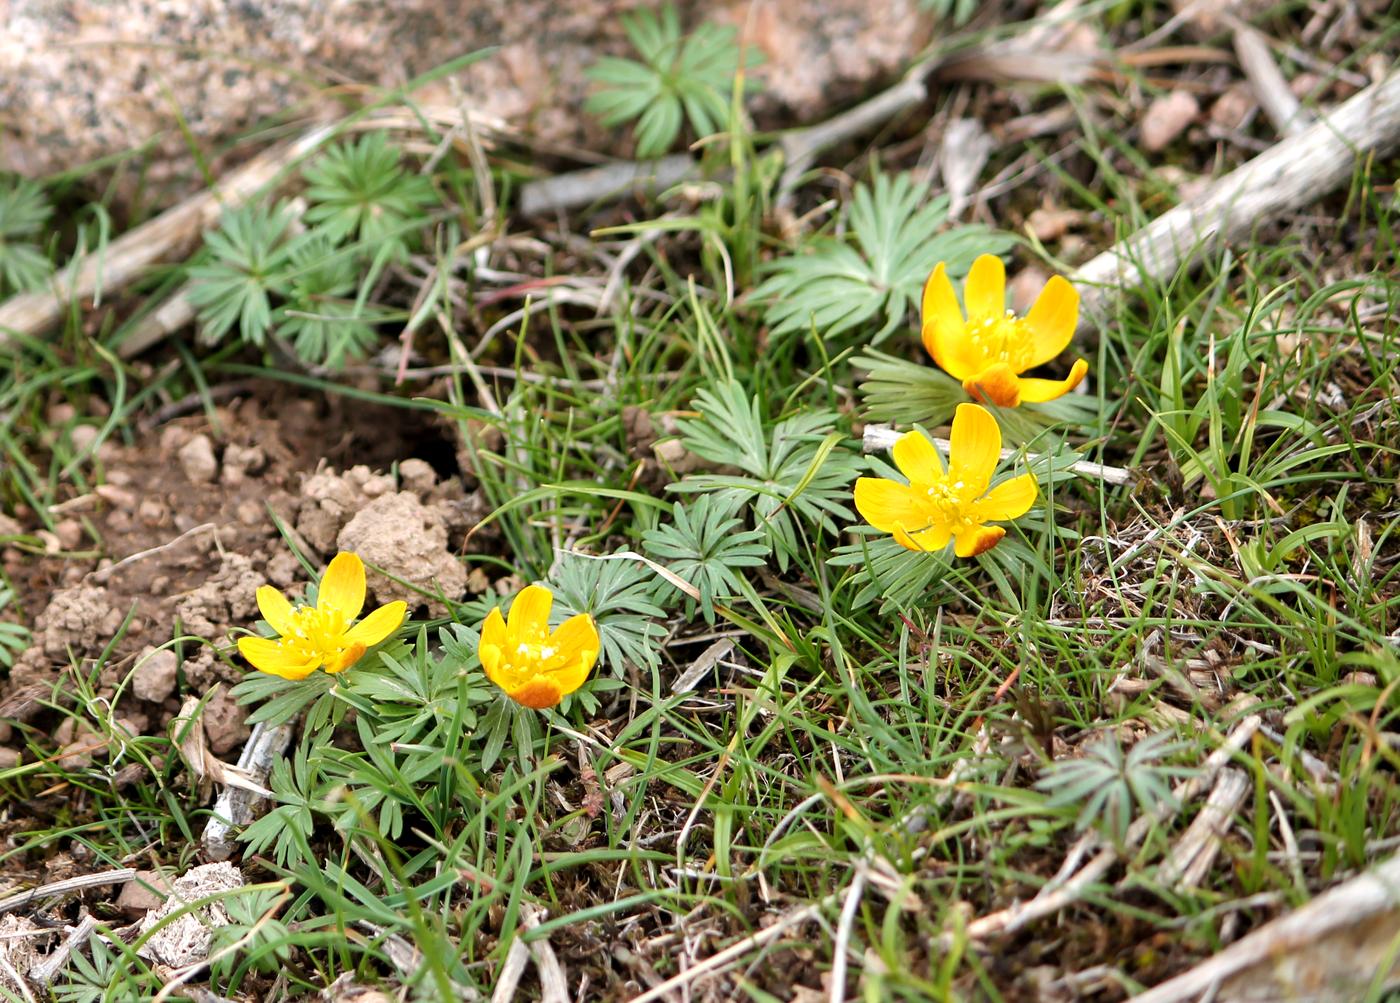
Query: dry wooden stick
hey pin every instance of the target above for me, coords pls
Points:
(1267, 82)
(236, 806)
(45, 971)
(178, 311)
(119, 876)
(1059, 894)
(130, 255)
(801, 146)
(1292, 173)
(1193, 854)
(877, 438)
(580, 188)
(1330, 949)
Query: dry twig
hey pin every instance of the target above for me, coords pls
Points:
(237, 805)
(130, 255)
(1192, 856)
(1293, 173)
(1330, 949)
(119, 876)
(1266, 81)
(1063, 890)
(47, 970)
(878, 438)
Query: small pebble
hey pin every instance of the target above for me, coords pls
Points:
(249, 512)
(62, 413)
(197, 460)
(152, 511)
(146, 891)
(1233, 107)
(173, 437)
(1166, 118)
(70, 534)
(155, 675)
(115, 496)
(417, 476)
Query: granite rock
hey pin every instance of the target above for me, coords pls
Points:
(82, 79)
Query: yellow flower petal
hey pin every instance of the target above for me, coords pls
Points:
(974, 449)
(378, 625)
(929, 541)
(997, 384)
(917, 458)
(490, 657)
(977, 540)
(1035, 391)
(529, 615)
(1052, 321)
(275, 609)
(943, 328)
(274, 659)
(984, 293)
(537, 693)
(887, 505)
(493, 642)
(576, 645)
(1008, 500)
(343, 586)
(346, 658)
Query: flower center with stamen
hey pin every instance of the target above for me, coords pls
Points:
(526, 653)
(526, 660)
(315, 632)
(944, 502)
(1001, 339)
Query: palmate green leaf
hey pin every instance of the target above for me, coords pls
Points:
(792, 471)
(378, 782)
(658, 126)
(286, 829)
(24, 212)
(92, 974)
(839, 288)
(1114, 784)
(362, 191)
(22, 267)
(279, 700)
(704, 546)
(248, 263)
(899, 577)
(416, 697)
(677, 79)
(907, 393)
(321, 317)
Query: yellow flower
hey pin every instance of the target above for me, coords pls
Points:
(936, 504)
(989, 349)
(320, 636)
(537, 667)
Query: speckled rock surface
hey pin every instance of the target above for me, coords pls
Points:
(81, 79)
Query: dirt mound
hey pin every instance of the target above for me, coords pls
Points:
(188, 522)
